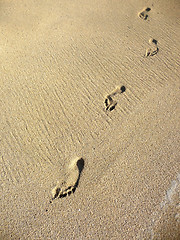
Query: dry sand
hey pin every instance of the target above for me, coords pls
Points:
(59, 61)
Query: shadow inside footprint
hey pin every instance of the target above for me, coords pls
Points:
(112, 108)
(143, 14)
(106, 102)
(72, 189)
(154, 41)
(110, 104)
(154, 49)
(80, 165)
(148, 9)
(69, 185)
(123, 89)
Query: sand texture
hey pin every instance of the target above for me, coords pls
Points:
(90, 119)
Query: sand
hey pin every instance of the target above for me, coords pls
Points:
(90, 119)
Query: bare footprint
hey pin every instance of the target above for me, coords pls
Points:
(153, 50)
(109, 102)
(143, 14)
(69, 185)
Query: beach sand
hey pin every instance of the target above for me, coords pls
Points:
(90, 119)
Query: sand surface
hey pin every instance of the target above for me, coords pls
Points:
(59, 62)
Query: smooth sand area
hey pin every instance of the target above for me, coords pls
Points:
(90, 119)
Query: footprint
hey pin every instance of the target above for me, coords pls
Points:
(69, 185)
(109, 102)
(143, 14)
(153, 50)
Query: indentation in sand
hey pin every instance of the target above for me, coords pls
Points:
(109, 102)
(154, 48)
(143, 14)
(67, 186)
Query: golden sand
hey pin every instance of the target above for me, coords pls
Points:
(92, 86)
